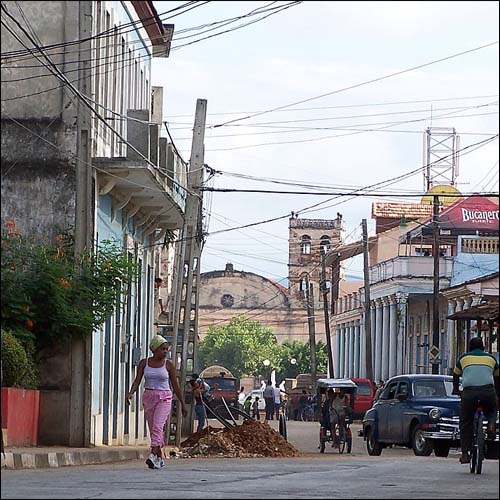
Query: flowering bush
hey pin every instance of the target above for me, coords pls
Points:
(48, 295)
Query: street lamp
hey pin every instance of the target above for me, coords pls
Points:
(267, 364)
(293, 361)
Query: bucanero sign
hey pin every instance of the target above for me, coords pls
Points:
(473, 212)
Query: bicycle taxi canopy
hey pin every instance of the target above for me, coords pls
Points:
(324, 384)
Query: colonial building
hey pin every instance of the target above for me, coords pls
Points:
(401, 291)
(228, 293)
(87, 155)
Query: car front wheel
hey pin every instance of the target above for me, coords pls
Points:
(421, 447)
(373, 447)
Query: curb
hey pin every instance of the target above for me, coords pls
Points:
(44, 460)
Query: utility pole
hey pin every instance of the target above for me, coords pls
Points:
(311, 320)
(79, 412)
(368, 331)
(185, 331)
(434, 352)
(325, 289)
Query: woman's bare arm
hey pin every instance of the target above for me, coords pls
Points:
(138, 378)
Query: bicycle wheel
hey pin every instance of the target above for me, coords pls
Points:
(480, 445)
(307, 414)
(342, 440)
(474, 454)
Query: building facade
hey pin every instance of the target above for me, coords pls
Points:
(401, 294)
(228, 293)
(82, 152)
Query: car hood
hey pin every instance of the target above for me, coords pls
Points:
(448, 406)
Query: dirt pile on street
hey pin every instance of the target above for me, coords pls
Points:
(251, 439)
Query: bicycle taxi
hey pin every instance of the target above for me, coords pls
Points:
(336, 400)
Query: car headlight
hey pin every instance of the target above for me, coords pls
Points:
(435, 413)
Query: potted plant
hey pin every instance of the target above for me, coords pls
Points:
(20, 396)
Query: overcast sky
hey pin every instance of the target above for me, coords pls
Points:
(312, 49)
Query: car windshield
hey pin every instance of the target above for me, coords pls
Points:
(432, 388)
(363, 389)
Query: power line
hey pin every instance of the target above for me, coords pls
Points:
(339, 194)
(359, 131)
(104, 34)
(61, 76)
(322, 108)
(285, 7)
(358, 84)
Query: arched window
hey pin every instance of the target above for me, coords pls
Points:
(305, 245)
(303, 285)
(324, 244)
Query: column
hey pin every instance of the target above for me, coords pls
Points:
(373, 334)
(378, 340)
(356, 350)
(351, 350)
(341, 351)
(336, 354)
(346, 350)
(402, 334)
(393, 337)
(362, 350)
(385, 340)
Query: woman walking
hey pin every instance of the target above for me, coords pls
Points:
(159, 380)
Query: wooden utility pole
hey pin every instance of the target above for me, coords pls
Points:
(311, 320)
(368, 331)
(435, 298)
(325, 290)
(185, 334)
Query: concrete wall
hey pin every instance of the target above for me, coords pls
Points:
(38, 148)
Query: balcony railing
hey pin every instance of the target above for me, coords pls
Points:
(480, 245)
(409, 267)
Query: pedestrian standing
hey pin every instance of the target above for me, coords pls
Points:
(269, 399)
(255, 409)
(199, 408)
(277, 400)
(159, 380)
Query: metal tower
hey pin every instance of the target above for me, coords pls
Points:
(441, 145)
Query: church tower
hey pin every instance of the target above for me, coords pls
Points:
(308, 241)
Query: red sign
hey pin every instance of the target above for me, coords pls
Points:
(475, 212)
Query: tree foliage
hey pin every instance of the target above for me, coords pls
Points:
(243, 345)
(48, 295)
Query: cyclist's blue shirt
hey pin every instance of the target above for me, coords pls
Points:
(477, 368)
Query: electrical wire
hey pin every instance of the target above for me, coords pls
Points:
(78, 93)
(452, 56)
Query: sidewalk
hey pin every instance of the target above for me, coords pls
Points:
(40, 457)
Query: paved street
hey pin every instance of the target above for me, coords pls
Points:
(395, 474)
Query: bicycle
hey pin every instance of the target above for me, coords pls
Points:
(478, 443)
(308, 414)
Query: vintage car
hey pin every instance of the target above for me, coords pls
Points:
(410, 412)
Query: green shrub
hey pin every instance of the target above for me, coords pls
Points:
(18, 366)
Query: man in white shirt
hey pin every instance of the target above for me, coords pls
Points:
(241, 396)
(277, 400)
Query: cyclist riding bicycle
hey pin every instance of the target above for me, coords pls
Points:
(480, 382)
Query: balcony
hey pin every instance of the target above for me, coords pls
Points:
(149, 183)
(409, 267)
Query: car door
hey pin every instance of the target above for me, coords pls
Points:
(396, 412)
(383, 411)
